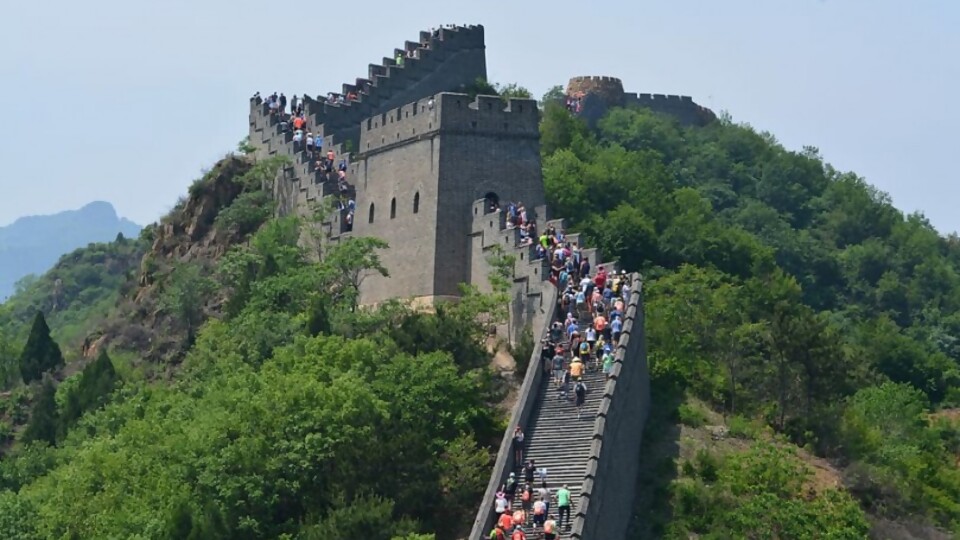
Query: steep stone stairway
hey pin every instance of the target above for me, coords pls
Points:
(558, 441)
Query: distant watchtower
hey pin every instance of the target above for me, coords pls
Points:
(595, 95)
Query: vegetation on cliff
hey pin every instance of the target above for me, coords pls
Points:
(293, 413)
(780, 291)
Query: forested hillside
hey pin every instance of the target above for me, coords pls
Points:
(802, 333)
(293, 413)
(785, 295)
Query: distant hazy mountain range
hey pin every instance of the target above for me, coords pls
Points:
(33, 244)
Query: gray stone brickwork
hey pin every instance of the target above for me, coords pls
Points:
(609, 485)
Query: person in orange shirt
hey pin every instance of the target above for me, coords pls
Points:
(506, 521)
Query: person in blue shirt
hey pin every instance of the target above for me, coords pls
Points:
(572, 329)
(615, 328)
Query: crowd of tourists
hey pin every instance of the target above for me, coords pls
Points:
(304, 140)
(591, 310)
(574, 102)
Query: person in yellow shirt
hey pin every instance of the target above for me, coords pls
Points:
(576, 369)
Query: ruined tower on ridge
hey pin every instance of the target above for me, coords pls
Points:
(595, 95)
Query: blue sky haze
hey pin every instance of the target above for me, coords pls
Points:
(127, 101)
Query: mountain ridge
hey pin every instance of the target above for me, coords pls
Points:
(32, 244)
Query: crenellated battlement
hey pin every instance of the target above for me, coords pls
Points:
(596, 94)
(445, 59)
(451, 113)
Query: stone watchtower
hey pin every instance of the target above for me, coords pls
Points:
(419, 170)
(420, 153)
(598, 94)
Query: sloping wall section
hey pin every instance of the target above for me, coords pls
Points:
(609, 488)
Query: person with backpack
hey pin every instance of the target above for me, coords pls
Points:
(580, 391)
(498, 533)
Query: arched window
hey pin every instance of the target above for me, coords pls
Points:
(370, 218)
(416, 202)
(393, 208)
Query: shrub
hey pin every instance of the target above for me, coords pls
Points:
(691, 415)
(247, 212)
(742, 428)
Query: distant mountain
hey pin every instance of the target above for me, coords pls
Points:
(32, 245)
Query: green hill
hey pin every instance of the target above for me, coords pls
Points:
(802, 336)
(31, 245)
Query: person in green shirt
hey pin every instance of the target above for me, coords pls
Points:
(563, 504)
(607, 363)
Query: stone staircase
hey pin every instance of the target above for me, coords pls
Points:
(558, 441)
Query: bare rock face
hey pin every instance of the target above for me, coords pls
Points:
(187, 234)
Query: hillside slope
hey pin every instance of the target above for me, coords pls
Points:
(783, 292)
(31, 245)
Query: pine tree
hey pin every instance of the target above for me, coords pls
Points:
(96, 383)
(43, 416)
(41, 353)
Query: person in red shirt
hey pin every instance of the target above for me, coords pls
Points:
(601, 278)
(506, 521)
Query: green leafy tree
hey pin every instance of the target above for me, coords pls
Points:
(44, 418)
(185, 295)
(555, 94)
(41, 353)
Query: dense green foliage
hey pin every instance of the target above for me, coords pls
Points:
(74, 296)
(41, 354)
(778, 288)
(279, 423)
(93, 388)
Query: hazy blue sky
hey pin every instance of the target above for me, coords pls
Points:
(127, 101)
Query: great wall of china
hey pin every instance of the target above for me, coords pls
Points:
(424, 163)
